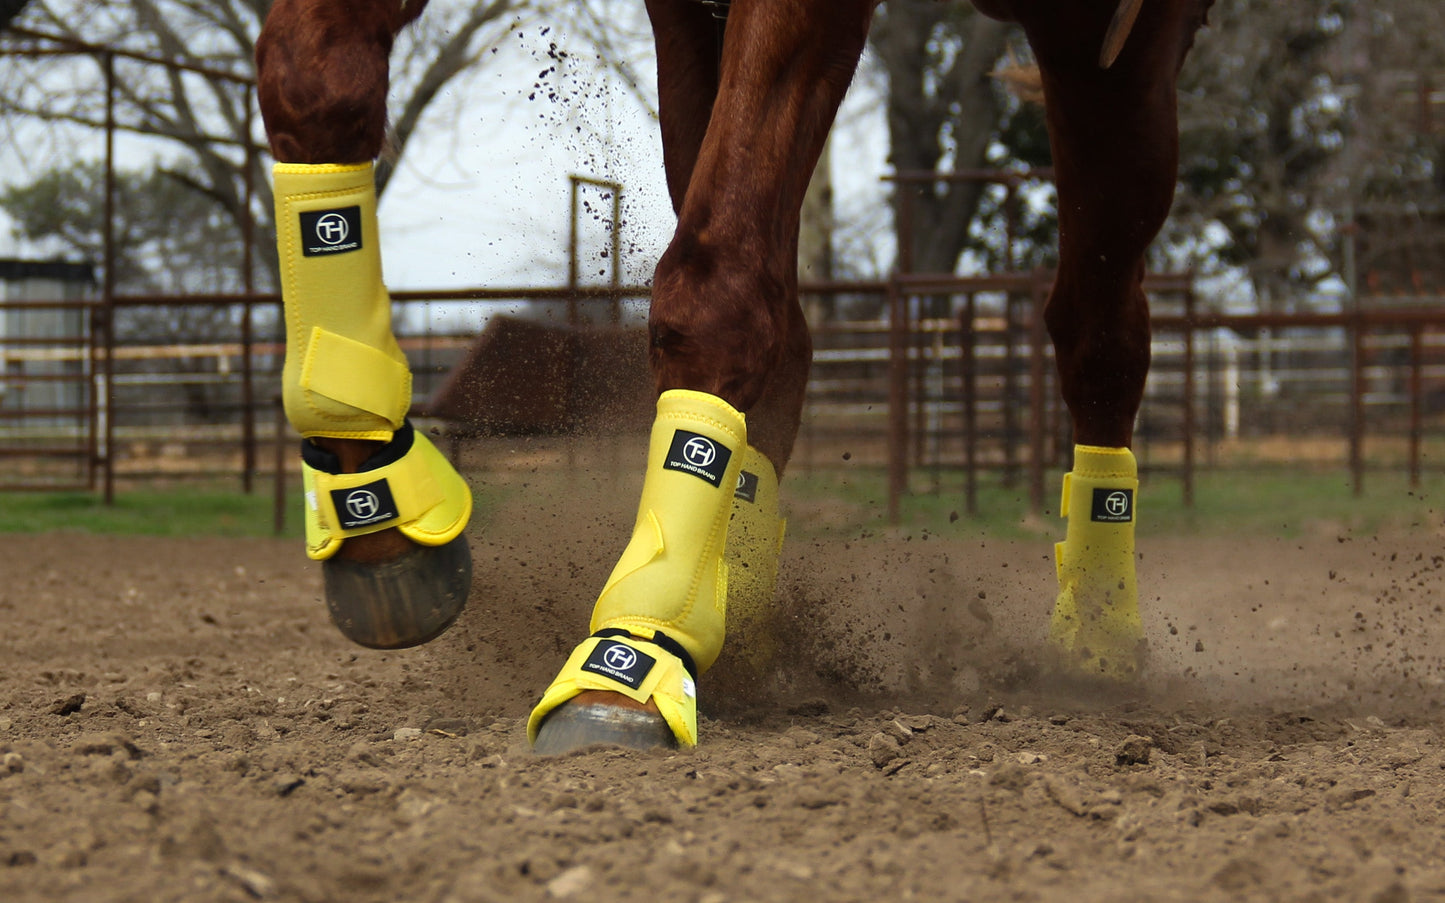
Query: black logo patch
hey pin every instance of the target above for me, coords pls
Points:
(620, 662)
(747, 486)
(697, 455)
(330, 231)
(364, 505)
(1113, 506)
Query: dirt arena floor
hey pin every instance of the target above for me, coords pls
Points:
(179, 721)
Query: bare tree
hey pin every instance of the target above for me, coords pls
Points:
(1294, 116)
(944, 112)
(9, 9)
(201, 107)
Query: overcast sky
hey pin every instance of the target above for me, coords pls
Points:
(483, 199)
(481, 196)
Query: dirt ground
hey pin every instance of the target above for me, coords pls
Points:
(178, 721)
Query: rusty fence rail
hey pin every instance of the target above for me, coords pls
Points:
(918, 376)
(200, 402)
(977, 393)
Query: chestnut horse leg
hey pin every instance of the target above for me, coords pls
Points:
(1114, 135)
(322, 79)
(728, 336)
(688, 39)
(725, 317)
(322, 69)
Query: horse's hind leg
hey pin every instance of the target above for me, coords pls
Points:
(1115, 139)
(730, 353)
(384, 510)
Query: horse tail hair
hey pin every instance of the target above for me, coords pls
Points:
(1023, 80)
(1118, 31)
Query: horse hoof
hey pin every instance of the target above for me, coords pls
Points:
(399, 602)
(579, 724)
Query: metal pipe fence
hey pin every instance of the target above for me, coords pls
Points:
(898, 384)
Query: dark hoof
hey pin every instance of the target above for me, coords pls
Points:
(573, 726)
(404, 601)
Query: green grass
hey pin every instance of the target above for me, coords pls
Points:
(182, 511)
(1246, 502)
(178, 510)
(1257, 501)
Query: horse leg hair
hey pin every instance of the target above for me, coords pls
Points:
(322, 75)
(1115, 140)
(725, 315)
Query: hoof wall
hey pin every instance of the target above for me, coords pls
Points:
(405, 601)
(574, 726)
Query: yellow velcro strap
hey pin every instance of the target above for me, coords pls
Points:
(355, 374)
(344, 375)
(672, 577)
(420, 494)
(1096, 624)
(637, 669)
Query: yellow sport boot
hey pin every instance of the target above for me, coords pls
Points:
(1096, 626)
(345, 377)
(754, 542)
(660, 619)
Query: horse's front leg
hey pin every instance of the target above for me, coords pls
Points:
(730, 352)
(1114, 133)
(384, 510)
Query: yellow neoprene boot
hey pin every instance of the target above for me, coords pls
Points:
(1096, 626)
(754, 542)
(345, 376)
(408, 484)
(660, 619)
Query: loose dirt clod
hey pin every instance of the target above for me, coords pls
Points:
(1134, 750)
(68, 705)
(883, 749)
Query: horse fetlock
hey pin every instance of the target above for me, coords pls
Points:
(1096, 626)
(721, 327)
(344, 375)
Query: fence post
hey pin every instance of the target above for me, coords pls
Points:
(278, 485)
(918, 372)
(1037, 399)
(1189, 394)
(248, 284)
(573, 249)
(248, 401)
(968, 344)
(108, 286)
(1357, 402)
(1010, 392)
(897, 397)
(1416, 401)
